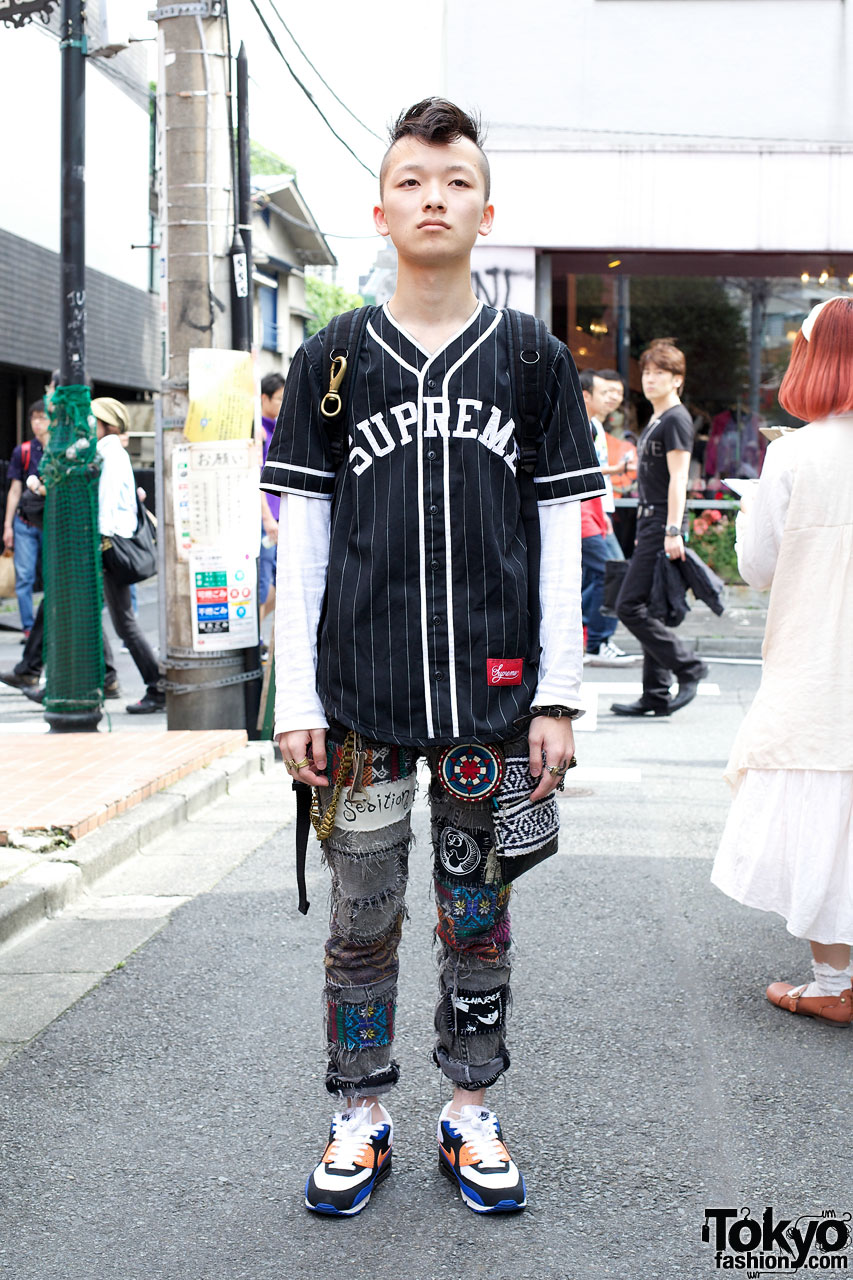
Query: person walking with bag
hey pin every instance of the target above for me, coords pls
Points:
(788, 842)
(118, 515)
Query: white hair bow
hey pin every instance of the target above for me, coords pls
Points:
(808, 323)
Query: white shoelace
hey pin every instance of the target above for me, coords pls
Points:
(478, 1128)
(353, 1130)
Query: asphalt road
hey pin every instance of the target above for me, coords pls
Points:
(162, 1128)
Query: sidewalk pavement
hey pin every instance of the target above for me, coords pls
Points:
(74, 806)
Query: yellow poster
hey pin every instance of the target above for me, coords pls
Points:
(222, 395)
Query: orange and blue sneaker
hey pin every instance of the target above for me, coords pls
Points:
(471, 1153)
(357, 1157)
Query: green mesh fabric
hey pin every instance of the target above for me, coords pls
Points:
(71, 557)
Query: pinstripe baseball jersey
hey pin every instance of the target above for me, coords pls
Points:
(424, 629)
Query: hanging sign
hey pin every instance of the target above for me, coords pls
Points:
(222, 394)
(16, 13)
(223, 598)
(215, 496)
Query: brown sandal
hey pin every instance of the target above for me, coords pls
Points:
(837, 1010)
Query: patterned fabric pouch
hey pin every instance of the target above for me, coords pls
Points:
(525, 833)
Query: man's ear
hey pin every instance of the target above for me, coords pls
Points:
(379, 220)
(488, 220)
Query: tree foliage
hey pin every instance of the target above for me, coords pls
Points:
(327, 300)
(263, 160)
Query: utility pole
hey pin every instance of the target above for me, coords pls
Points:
(196, 218)
(74, 646)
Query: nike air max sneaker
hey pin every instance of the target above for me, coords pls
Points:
(357, 1157)
(471, 1153)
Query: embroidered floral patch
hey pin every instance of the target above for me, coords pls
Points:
(361, 1026)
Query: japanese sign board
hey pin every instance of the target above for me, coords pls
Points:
(216, 501)
(223, 595)
(222, 395)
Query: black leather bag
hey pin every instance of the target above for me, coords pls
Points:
(129, 560)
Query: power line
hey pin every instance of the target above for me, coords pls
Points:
(320, 76)
(306, 91)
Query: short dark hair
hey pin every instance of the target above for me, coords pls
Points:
(609, 375)
(37, 406)
(437, 122)
(587, 376)
(270, 383)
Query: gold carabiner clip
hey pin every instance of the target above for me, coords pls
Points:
(339, 368)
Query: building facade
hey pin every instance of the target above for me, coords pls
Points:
(672, 168)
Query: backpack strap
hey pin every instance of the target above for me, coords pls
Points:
(26, 451)
(529, 343)
(341, 345)
(528, 340)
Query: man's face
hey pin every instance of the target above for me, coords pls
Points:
(613, 393)
(433, 203)
(597, 399)
(270, 405)
(658, 382)
(40, 424)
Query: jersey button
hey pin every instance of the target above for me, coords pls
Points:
(437, 619)
(433, 509)
(439, 675)
(434, 565)
(431, 384)
(431, 455)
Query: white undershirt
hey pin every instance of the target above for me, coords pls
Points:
(302, 563)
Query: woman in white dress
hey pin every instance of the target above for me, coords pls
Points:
(788, 842)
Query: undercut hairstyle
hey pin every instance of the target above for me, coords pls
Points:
(665, 354)
(819, 378)
(271, 383)
(436, 122)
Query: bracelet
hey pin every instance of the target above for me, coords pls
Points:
(557, 713)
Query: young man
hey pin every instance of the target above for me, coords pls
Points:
(663, 455)
(403, 625)
(598, 541)
(22, 536)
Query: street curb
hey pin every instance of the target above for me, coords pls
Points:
(61, 877)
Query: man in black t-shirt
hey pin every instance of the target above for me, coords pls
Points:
(663, 460)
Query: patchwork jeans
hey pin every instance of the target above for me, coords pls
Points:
(367, 855)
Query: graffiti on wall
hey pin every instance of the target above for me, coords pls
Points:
(504, 277)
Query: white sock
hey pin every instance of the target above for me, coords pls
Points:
(828, 981)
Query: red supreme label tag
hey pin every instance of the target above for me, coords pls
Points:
(504, 670)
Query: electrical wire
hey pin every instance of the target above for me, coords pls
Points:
(320, 76)
(307, 92)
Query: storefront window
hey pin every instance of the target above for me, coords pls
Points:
(736, 331)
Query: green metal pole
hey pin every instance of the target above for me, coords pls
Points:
(71, 543)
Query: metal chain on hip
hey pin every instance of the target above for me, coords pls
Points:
(323, 822)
